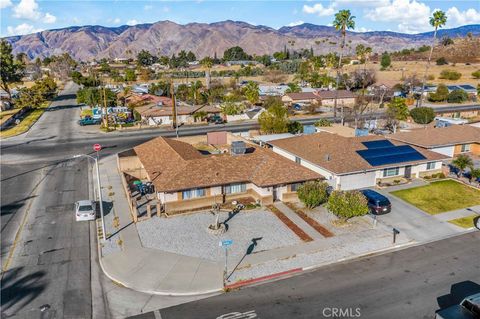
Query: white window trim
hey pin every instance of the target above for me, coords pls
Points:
(467, 146)
(431, 163)
(385, 170)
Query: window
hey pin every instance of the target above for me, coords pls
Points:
(193, 193)
(465, 148)
(235, 188)
(430, 165)
(391, 172)
(294, 187)
(298, 160)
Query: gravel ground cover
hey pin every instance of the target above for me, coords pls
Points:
(356, 224)
(342, 246)
(187, 234)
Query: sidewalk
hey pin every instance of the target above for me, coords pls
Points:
(454, 214)
(148, 270)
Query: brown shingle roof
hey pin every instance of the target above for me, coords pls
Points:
(342, 94)
(157, 111)
(173, 165)
(338, 154)
(441, 136)
(303, 96)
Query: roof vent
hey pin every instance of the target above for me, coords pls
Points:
(238, 148)
(327, 157)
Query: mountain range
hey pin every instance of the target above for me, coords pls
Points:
(167, 38)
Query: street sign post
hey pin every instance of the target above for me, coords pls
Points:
(97, 147)
(225, 244)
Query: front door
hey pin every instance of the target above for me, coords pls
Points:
(408, 171)
(274, 193)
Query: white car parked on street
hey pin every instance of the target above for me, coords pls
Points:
(85, 210)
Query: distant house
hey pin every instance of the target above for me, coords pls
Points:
(450, 141)
(185, 179)
(301, 97)
(358, 162)
(241, 62)
(155, 114)
(344, 97)
(250, 114)
(325, 98)
(272, 90)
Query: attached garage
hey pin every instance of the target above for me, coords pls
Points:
(356, 181)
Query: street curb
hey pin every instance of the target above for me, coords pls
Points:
(278, 275)
(247, 282)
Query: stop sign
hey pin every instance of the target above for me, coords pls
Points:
(97, 147)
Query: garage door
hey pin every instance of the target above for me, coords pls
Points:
(355, 181)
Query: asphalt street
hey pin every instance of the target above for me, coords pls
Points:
(45, 253)
(409, 283)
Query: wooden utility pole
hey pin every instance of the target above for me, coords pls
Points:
(105, 119)
(174, 108)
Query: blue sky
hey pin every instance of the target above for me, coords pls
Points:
(410, 16)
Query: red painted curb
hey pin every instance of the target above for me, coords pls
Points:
(242, 283)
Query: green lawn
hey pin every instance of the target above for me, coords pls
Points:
(439, 197)
(464, 222)
(26, 123)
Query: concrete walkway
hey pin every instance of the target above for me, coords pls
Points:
(459, 213)
(149, 270)
(298, 221)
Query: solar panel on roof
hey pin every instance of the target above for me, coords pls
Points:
(467, 87)
(378, 144)
(390, 155)
(453, 87)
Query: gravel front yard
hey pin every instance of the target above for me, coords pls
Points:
(187, 235)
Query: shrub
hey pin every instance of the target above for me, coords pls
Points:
(313, 194)
(422, 115)
(440, 95)
(441, 61)
(396, 181)
(427, 177)
(431, 77)
(476, 74)
(323, 123)
(295, 127)
(385, 60)
(457, 96)
(450, 75)
(347, 204)
(441, 175)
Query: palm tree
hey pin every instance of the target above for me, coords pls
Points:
(462, 162)
(293, 88)
(343, 21)
(207, 63)
(250, 92)
(437, 20)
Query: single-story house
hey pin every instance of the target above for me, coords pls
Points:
(272, 90)
(250, 114)
(163, 114)
(301, 97)
(184, 178)
(324, 98)
(344, 97)
(450, 141)
(358, 162)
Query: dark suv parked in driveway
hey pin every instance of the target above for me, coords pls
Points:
(377, 203)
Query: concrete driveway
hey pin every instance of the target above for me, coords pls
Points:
(413, 222)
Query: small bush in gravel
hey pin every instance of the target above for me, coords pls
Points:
(313, 194)
(347, 204)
